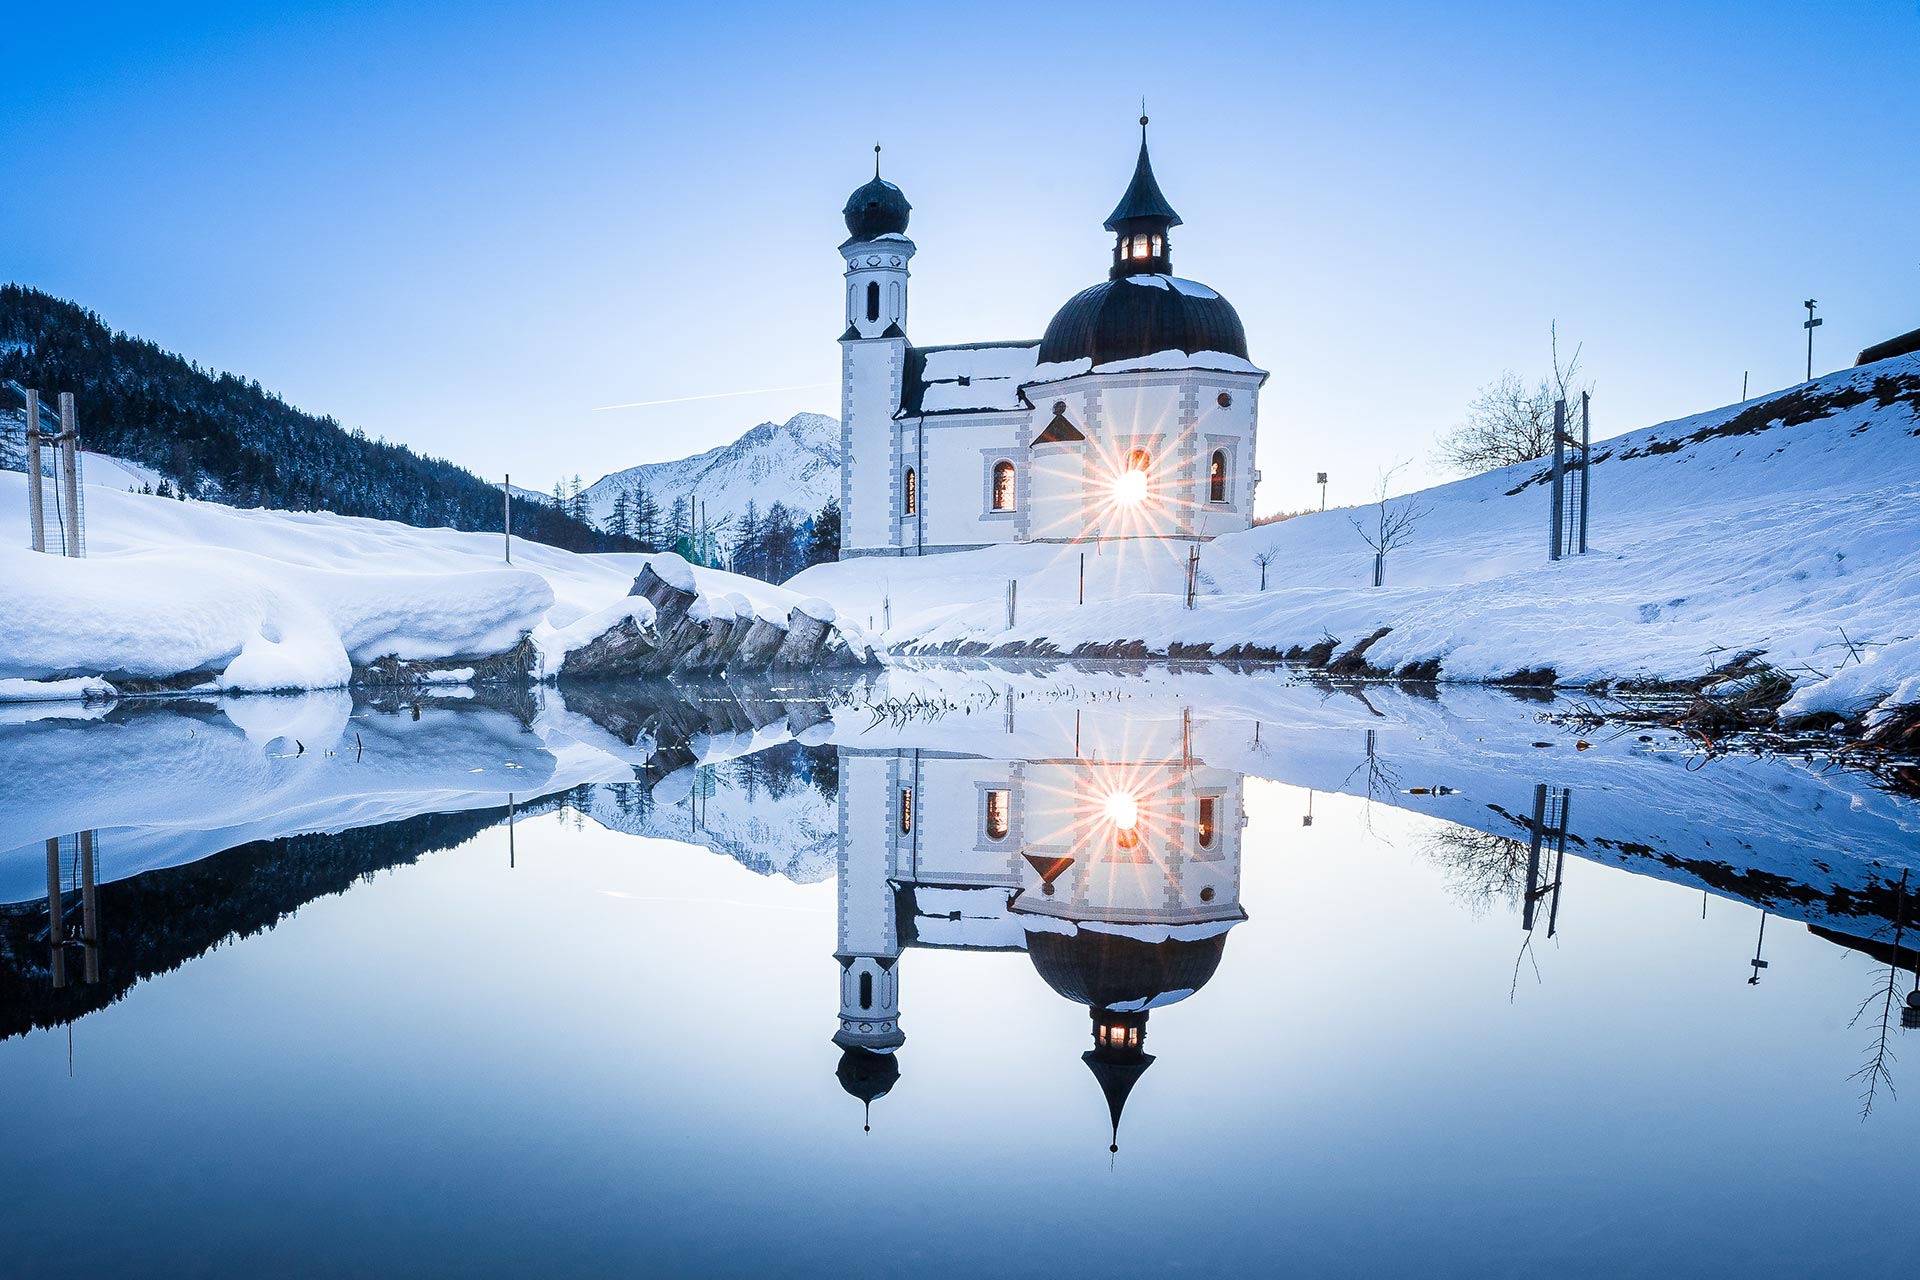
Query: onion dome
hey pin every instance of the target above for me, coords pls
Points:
(877, 208)
(867, 1075)
(1112, 971)
(1142, 315)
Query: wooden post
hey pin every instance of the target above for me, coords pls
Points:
(89, 909)
(1586, 472)
(506, 517)
(56, 926)
(1083, 577)
(1559, 476)
(1013, 597)
(70, 475)
(1538, 825)
(36, 500)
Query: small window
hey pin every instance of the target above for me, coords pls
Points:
(999, 813)
(1207, 827)
(1217, 477)
(873, 300)
(866, 991)
(1141, 247)
(1127, 837)
(910, 494)
(906, 811)
(1138, 460)
(1003, 486)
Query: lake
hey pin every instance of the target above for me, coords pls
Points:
(1038, 970)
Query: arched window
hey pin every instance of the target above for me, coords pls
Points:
(1003, 486)
(910, 494)
(1139, 461)
(999, 813)
(906, 811)
(1217, 477)
(1207, 827)
(866, 991)
(873, 300)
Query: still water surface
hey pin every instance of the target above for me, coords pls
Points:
(855, 981)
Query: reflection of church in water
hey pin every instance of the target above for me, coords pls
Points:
(1119, 879)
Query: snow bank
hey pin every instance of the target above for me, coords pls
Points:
(275, 600)
(1785, 524)
(53, 690)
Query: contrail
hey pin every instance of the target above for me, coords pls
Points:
(717, 395)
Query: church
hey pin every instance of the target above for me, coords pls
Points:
(1116, 872)
(1133, 416)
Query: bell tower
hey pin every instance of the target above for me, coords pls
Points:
(873, 358)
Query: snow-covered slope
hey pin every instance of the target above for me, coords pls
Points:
(1786, 524)
(278, 599)
(796, 462)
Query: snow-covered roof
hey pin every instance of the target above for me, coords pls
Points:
(1212, 361)
(974, 378)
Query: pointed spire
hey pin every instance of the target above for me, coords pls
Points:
(876, 162)
(1116, 1080)
(1143, 199)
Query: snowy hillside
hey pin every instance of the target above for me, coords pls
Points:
(796, 462)
(256, 599)
(1785, 524)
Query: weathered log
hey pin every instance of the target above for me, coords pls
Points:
(757, 647)
(624, 649)
(809, 623)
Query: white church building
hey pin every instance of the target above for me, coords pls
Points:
(1117, 873)
(1134, 416)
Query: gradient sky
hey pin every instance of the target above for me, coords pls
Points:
(464, 227)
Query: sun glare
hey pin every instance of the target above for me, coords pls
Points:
(1130, 487)
(1123, 809)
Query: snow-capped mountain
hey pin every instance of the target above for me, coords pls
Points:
(796, 462)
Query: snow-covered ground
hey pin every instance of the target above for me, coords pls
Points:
(281, 600)
(1728, 530)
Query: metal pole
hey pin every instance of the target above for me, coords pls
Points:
(1533, 854)
(1013, 596)
(36, 500)
(1083, 577)
(1559, 861)
(1811, 324)
(1559, 476)
(1586, 482)
(506, 509)
(70, 472)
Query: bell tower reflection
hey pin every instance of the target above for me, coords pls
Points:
(1116, 870)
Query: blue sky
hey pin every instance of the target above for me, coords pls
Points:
(464, 227)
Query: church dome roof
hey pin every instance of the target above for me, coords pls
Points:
(1142, 315)
(875, 209)
(1113, 971)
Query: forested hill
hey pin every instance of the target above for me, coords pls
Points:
(224, 438)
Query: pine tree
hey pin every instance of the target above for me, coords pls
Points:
(779, 541)
(680, 522)
(823, 542)
(748, 553)
(646, 521)
(619, 519)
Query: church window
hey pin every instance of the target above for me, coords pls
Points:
(1127, 837)
(1003, 486)
(1217, 477)
(866, 991)
(910, 494)
(1207, 828)
(873, 300)
(906, 811)
(1156, 246)
(1138, 460)
(999, 813)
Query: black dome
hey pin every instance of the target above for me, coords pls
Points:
(876, 209)
(1106, 970)
(1142, 315)
(867, 1075)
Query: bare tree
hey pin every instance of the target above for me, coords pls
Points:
(1509, 421)
(1263, 559)
(1387, 524)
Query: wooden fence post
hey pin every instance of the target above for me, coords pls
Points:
(36, 500)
